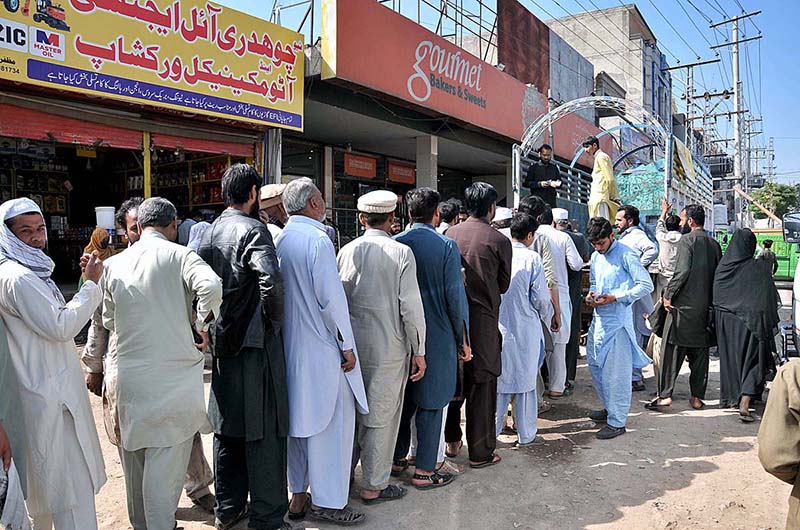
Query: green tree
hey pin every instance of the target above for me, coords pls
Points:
(778, 198)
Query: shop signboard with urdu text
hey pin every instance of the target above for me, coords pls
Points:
(402, 173)
(370, 45)
(360, 166)
(186, 55)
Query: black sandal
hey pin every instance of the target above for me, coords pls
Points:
(299, 516)
(437, 480)
(402, 463)
(343, 517)
(653, 405)
(391, 492)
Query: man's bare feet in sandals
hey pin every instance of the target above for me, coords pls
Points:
(448, 466)
(493, 460)
(453, 448)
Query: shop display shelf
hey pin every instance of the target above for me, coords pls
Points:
(30, 169)
(214, 181)
(202, 204)
(22, 190)
(171, 186)
(193, 161)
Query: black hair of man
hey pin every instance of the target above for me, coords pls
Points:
(422, 203)
(545, 147)
(673, 223)
(479, 199)
(591, 140)
(767, 243)
(376, 219)
(533, 205)
(696, 213)
(238, 182)
(130, 204)
(196, 214)
(523, 224)
(448, 210)
(598, 228)
(631, 213)
(546, 217)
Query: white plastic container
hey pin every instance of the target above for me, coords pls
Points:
(105, 217)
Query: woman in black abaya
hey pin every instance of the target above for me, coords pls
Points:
(746, 318)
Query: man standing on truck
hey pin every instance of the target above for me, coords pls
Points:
(768, 256)
(604, 195)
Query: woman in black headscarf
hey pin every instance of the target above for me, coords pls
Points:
(746, 318)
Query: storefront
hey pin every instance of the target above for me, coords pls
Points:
(118, 104)
(411, 97)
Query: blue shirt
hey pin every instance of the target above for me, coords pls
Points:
(620, 273)
(444, 300)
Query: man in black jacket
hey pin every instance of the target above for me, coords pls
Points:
(687, 298)
(543, 177)
(248, 406)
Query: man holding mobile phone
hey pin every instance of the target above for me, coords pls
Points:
(617, 280)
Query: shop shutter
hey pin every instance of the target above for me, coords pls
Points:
(19, 122)
(203, 146)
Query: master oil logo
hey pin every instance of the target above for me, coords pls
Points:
(47, 44)
(13, 36)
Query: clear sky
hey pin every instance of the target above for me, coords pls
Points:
(682, 30)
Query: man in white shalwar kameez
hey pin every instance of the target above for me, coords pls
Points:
(565, 254)
(523, 341)
(322, 371)
(379, 276)
(147, 304)
(617, 281)
(64, 462)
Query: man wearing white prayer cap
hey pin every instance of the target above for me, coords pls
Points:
(561, 219)
(271, 210)
(502, 220)
(560, 216)
(64, 462)
(377, 272)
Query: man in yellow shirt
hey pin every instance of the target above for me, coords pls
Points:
(604, 195)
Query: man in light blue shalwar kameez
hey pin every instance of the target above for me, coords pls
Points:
(323, 374)
(523, 343)
(617, 280)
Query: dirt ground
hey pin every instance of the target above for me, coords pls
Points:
(683, 470)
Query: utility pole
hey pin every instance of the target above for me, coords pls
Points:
(689, 97)
(739, 171)
(771, 158)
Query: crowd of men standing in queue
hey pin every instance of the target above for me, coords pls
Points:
(322, 361)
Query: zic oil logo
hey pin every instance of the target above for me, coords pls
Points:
(13, 36)
(47, 44)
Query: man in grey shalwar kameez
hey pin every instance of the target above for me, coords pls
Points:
(376, 272)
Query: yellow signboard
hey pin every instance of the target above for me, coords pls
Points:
(682, 164)
(187, 55)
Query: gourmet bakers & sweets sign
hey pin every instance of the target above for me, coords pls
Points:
(367, 44)
(437, 68)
